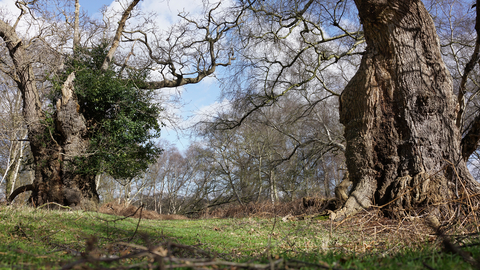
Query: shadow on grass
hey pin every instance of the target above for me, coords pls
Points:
(36, 239)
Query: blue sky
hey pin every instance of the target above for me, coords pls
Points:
(94, 6)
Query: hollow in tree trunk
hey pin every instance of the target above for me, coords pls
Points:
(399, 112)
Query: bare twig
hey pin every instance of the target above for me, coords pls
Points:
(448, 245)
(139, 219)
(54, 203)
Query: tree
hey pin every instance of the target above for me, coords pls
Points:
(280, 152)
(12, 135)
(121, 118)
(399, 113)
(56, 133)
(404, 150)
(302, 52)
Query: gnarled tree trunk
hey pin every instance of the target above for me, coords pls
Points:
(57, 140)
(54, 148)
(399, 112)
(53, 145)
(56, 178)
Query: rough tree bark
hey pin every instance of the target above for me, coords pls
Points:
(55, 141)
(47, 156)
(471, 140)
(399, 112)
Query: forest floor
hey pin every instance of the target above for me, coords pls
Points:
(61, 239)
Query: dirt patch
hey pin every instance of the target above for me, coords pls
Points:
(134, 211)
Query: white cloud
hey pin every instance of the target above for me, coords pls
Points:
(209, 81)
(208, 112)
(168, 10)
(9, 11)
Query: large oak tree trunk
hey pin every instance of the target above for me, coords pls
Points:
(56, 176)
(399, 112)
(53, 143)
(57, 140)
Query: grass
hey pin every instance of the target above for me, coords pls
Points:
(46, 239)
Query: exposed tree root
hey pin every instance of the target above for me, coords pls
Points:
(355, 203)
(18, 191)
(421, 194)
(409, 194)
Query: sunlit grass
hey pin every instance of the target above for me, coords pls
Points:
(36, 239)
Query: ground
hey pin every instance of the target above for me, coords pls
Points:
(42, 238)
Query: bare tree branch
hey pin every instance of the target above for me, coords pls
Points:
(118, 34)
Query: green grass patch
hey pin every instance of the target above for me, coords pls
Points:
(50, 239)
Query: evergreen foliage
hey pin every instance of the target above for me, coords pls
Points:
(122, 118)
